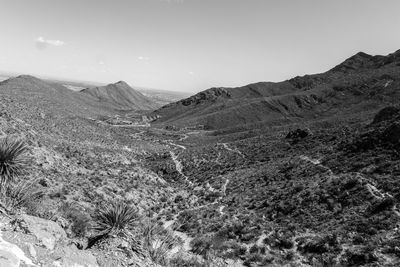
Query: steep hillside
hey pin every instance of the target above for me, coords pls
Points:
(76, 163)
(50, 96)
(121, 96)
(355, 84)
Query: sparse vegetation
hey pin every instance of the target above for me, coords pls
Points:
(255, 197)
(115, 218)
(24, 194)
(158, 242)
(13, 160)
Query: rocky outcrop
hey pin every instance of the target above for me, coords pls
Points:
(33, 241)
(70, 256)
(11, 255)
(48, 233)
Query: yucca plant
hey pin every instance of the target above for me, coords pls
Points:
(158, 242)
(22, 194)
(13, 160)
(114, 218)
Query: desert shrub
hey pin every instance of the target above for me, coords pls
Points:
(179, 261)
(13, 160)
(201, 245)
(114, 218)
(385, 204)
(23, 194)
(158, 242)
(232, 250)
(360, 257)
(253, 258)
(340, 87)
(232, 230)
(280, 239)
(80, 221)
(193, 261)
(254, 249)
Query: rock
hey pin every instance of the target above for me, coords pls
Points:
(11, 255)
(32, 251)
(47, 232)
(72, 257)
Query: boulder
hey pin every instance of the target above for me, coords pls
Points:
(11, 255)
(70, 256)
(48, 233)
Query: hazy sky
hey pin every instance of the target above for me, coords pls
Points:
(191, 45)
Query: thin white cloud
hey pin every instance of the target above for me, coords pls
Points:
(144, 58)
(42, 43)
(101, 62)
(191, 72)
(172, 1)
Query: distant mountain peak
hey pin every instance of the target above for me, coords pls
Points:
(24, 79)
(363, 60)
(362, 55)
(121, 83)
(121, 96)
(27, 77)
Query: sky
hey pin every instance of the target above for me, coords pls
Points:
(191, 45)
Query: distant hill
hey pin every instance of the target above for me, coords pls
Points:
(121, 96)
(359, 82)
(31, 93)
(50, 110)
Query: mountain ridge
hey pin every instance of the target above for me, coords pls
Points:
(121, 96)
(299, 97)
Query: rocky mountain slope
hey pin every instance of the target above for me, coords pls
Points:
(325, 195)
(313, 184)
(351, 85)
(121, 96)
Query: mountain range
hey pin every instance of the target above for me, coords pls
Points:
(303, 172)
(350, 86)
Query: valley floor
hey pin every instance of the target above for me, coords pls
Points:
(243, 199)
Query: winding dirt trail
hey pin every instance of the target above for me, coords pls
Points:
(376, 193)
(179, 167)
(234, 150)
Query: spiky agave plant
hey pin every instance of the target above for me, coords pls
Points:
(114, 218)
(13, 159)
